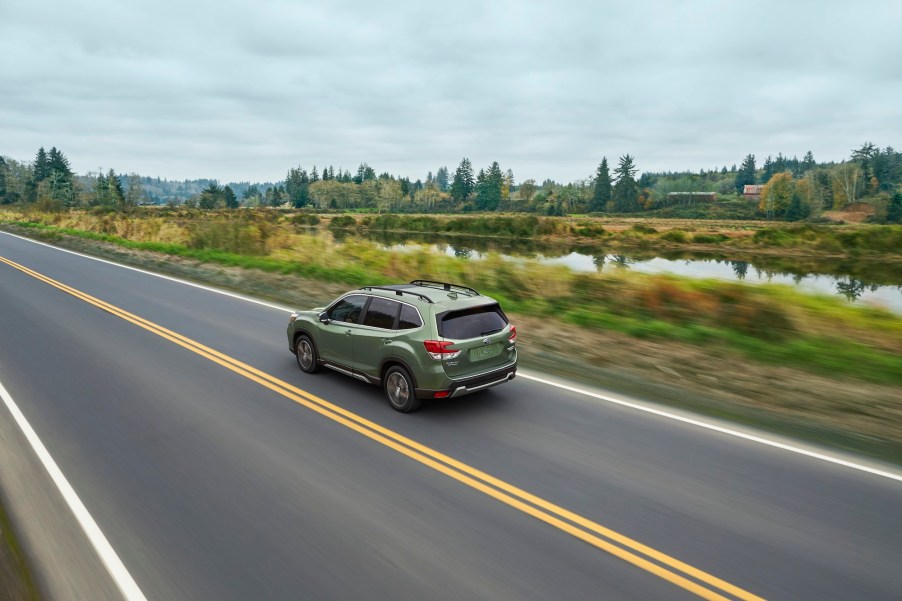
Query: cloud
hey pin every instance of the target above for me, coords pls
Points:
(243, 91)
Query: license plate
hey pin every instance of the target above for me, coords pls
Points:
(485, 352)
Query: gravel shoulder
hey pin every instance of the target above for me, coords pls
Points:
(15, 580)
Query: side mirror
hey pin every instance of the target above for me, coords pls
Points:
(324, 318)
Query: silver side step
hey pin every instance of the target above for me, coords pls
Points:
(347, 372)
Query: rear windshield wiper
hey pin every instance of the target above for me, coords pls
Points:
(487, 332)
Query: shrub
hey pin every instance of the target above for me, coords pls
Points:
(305, 219)
(709, 238)
(676, 236)
(342, 222)
(589, 231)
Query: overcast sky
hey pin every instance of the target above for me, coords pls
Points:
(244, 90)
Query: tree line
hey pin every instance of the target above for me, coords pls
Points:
(793, 188)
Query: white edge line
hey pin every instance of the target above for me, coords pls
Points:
(687, 420)
(721, 429)
(108, 556)
(249, 299)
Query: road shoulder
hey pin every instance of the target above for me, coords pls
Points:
(52, 557)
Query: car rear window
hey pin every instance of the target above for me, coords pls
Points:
(472, 322)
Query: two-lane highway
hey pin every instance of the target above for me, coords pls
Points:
(216, 469)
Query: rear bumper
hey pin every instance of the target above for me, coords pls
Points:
(456, 388)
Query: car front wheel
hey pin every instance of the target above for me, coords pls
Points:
(399, 390)
(305, 352)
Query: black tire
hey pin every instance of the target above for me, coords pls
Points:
(399, 390)
(305, 353)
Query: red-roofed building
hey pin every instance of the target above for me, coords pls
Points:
(752, 192)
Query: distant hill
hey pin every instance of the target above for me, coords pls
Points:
(163, 191)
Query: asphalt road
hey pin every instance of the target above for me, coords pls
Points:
(211, 485)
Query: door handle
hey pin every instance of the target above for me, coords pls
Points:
(386, 341)
(347, 332)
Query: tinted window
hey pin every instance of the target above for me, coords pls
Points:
(348, 309)
(409, 318)
(381, 313)
(472, 322)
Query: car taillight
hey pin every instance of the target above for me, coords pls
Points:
(513, 334)
(438, 349)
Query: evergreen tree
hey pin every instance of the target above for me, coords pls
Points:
(364, 173)
(463, 183)
(297, 188)
(314, 176)
(808, 162)
(780, 163)
(115, 194)
(101, 192)
(210, 197)
(58, 163)
(228, 196)
(441, 179)
(601, 194)
(797, 209)
(894, 211)
(488, 188)
(626, 191)
(865, 158)
(41, 168)
(4, 198)
(769, 170)
(746, 174)
(893, 173)
(276, 195)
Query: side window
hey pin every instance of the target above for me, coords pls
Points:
(381, 313)
(409, 318)
(348, 309)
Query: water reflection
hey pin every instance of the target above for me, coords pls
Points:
(852, 289)
(854, 280)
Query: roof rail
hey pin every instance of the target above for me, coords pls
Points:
(445, 286)
(399, 292)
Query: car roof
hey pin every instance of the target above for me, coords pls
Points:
(456, 297)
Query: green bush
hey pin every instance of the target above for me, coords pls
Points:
(709, 238)
(305, 219)
(342, 222)
(676, 236)
(589, 231)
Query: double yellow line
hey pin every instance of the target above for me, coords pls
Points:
(670, 569)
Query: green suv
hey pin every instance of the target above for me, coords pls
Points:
(422, 340)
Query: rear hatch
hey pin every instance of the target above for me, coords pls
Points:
(482, 335)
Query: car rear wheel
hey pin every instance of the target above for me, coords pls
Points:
(399, 390)
(305, 351)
